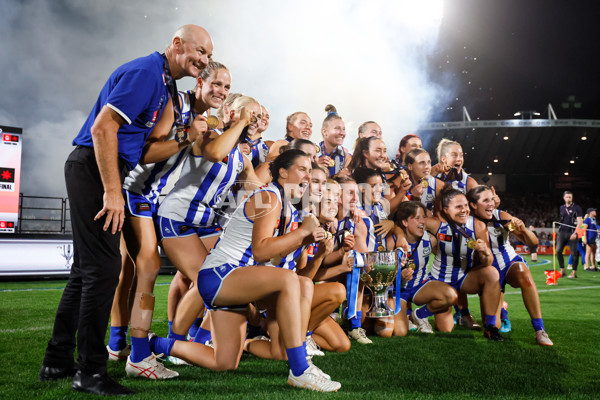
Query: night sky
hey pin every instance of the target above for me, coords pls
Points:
(507, 56)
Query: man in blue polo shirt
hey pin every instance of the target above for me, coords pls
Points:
(110, 144)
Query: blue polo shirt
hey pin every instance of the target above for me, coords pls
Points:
(137, 92)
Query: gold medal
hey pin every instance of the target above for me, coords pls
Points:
(424, 183)
(181, 134)
(380, 248)
(332, 162)
(318, 148)
(471, 243)
(346, 234)
(253, 119)
(328, 235)
(212, 122)
(510, 226)
(412, 265)
(276, 261)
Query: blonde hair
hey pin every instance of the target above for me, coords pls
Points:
(442, 148)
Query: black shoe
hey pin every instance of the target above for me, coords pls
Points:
(100, 383)
(54, 373)
(492, 333)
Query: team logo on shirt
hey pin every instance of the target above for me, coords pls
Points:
(443, 237)
(426, 251)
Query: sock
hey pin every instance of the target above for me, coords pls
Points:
(408, 312)
(355, 322)
(202, 336)
(503, 313)
(161, 345)
(170, 325)
(194, 328)
(456, 309)
(309, 333)
(490, 320)
(173, 335)
(423, 312)
(140, 349)
(538, 324)
(297, 359)
(118, 338)
(465, 312)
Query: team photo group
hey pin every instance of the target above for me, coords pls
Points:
(285, 249)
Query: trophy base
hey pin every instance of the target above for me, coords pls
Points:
(380, 307)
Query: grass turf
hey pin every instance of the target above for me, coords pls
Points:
(458, 365)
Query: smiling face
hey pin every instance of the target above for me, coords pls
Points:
(335, 132)
(264, 121)
(318, 179)
(421, 168)
(348, 198)
(215, 89)
(376, 156)
(415, 225)
(296, 178)
(329, 204)
(412, 143)
(193, 49)
(458, 209)
(300, 127)
(454, 157)
(485, 206)
(372, 190)
(252, 127)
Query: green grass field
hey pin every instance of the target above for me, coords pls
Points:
(459, 365)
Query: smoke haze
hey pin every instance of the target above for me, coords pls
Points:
(369, 59)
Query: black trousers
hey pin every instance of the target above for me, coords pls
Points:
(564, 239)
(84, 308)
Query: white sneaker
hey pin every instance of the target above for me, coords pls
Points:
(119, 355)
(411, 327)
(359, 335)
(541, 337)
(313, 379)
(422, 324)
(150, 368)
(176, 361)
(312, 349)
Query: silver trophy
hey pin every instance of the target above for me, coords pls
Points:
(379, 274)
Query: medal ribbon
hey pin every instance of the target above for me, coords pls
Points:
(375, 219)
(172, 88)
(352, 279)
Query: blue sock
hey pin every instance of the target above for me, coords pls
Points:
(140, 349)
(456, 309)
(538, 324)
(297, 359)
(408, 312)
(490, 320)
(503, 313)
(173, 335)
(309, 333)
(465, 312)
(118, 338)
(423, 312)
(170, 325)
(161, 345)
(194, 328)
(202, 336)
(355, 322)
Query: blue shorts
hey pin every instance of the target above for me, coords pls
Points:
(456, 284)
(409, 294)
(209, 284)
(505, 271)
(170, 228)
(139, 206)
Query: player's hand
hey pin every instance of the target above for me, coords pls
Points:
(114, 209)
(482, 248)
(407, 274)
(495, 197)
(310, 224)
(324, 161)
(199, 127)
(348, 243)
(384, 227)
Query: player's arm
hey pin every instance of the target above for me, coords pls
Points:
(106, 149)
(218, 148)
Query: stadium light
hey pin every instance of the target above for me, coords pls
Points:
(572, 161)
(505, 137)
(496, 159)
(567, 173)
(584, 137)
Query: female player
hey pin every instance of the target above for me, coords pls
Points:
(408, 142)
(463, 258)
(511, 266)
(589, 222)
(232, 276)
(141, 190)
(298, 126)
(370, 152)
(425, 187)
(331, 153)
(450, 167)
(188, 216)
(437, 297)
(262, 171)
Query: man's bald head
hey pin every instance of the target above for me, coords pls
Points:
(190, 51)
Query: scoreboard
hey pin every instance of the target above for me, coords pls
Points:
(10, 176)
